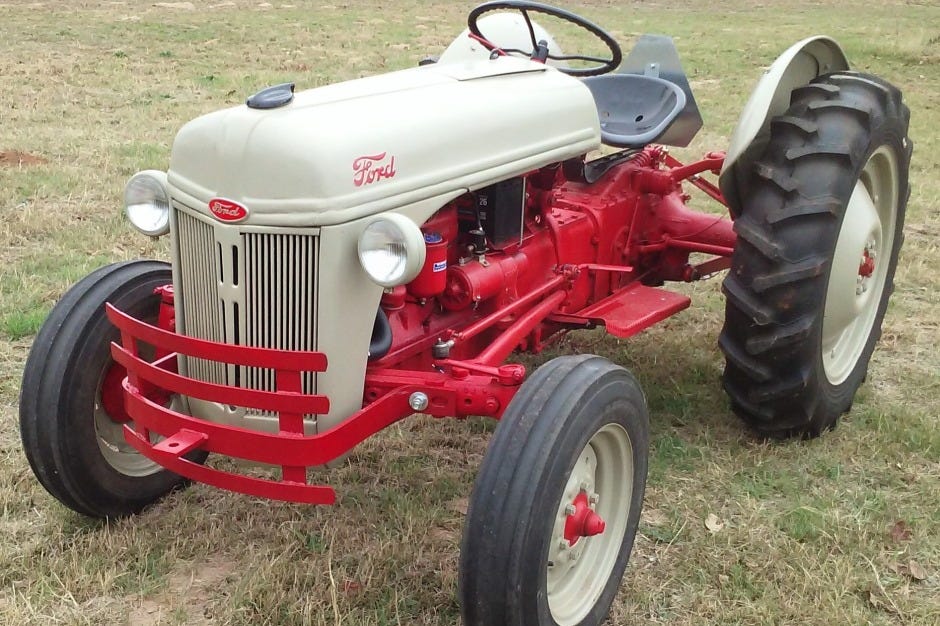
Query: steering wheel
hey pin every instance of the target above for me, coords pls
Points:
(540, 50)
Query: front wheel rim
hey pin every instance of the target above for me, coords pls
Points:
(860, 265)
(109, 434)
(602, 478)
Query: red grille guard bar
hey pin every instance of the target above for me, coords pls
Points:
(289, 448)
(465, 389)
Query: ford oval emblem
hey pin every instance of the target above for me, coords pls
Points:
(227, 211)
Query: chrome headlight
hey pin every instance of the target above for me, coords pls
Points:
(391, 250)
(147, 202)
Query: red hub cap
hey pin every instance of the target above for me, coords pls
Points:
(583, 522)
(867, 266)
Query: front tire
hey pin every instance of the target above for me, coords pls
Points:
(555, 508)
(70, 411)
(818, 242)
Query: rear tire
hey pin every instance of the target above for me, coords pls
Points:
(818, 242)
(575, 435)
(72, 443)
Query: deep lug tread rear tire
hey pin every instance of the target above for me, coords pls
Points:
(502, 573)
(808, 268)
(794, 205)
(57, 396)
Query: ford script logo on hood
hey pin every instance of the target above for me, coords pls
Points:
(227, 211)
(372, 168)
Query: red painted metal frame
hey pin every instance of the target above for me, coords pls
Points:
(712, 162)
(458, 393)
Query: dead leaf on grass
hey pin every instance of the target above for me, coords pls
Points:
(916, 570)
(912, 569)
(876, 599)
(655, 517)
(459, 505)
(713, 524)
(900, 531)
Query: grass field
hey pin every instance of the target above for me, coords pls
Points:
(840, 530)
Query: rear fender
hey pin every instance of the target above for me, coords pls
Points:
(800, 64)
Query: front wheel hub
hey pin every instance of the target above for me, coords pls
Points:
(583, 522)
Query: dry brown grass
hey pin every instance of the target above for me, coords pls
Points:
(837, 530)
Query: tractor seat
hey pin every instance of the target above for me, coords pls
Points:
(634, 110)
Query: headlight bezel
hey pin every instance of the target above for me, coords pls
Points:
(147, 202)
(399, 231)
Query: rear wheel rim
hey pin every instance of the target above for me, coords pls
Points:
(860, 265)
(577, 574)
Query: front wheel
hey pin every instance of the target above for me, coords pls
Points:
(71, 403)
(555, 508)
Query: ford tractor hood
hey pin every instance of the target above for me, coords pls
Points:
(352, 149)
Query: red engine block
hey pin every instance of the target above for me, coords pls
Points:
(631, 227)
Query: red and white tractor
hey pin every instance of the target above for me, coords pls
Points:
(348, 256)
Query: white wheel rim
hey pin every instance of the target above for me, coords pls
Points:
(860, 265)
(114, 448)
(577, 574)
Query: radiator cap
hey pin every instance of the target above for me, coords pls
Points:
(272, 97)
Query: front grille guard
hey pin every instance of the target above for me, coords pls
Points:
(182, 434)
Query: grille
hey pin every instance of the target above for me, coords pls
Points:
(280, 298)
(202, 309)
(250, 288)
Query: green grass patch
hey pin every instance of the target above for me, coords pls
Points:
(19, 324)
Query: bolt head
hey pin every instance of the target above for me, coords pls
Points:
(593, 498)
(418, 401)
(569, 509)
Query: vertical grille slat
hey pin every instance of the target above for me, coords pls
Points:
(270, 283)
